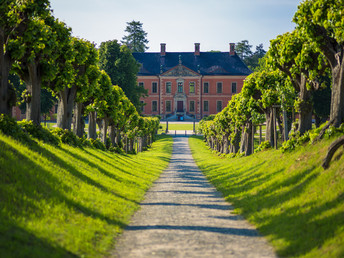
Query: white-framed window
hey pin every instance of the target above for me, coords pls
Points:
(206, 87)
(154, 106)
(154, 87)
(142, 84)
(206, 106)
(192, 106)
(168, 87)
(218, 106)
(219, 87)
(192, 87)
(234, 87)
(168, 107)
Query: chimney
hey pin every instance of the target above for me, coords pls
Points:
(231, 49)
(162, 49)
(197, 49)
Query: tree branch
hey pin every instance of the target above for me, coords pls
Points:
(331, 151)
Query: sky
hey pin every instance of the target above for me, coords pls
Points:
(180, 23)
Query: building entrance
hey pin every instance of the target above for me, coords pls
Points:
(180, 106)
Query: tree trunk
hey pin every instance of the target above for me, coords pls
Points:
(269, 131)
(66, 99)
(331, 151)
(104, 122)
(100, 127)
(33, 101)
(225, 144)
(131, 145)
(118, 138)
(306, 108)
(246, 139)
(337, 97)
(235, 142)
(92, 125)
(280, 126)
(7, 92)
(112, 134)
(140, 144)
(78, 120)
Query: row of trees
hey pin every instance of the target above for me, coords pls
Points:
(41, 51)
(297, 65)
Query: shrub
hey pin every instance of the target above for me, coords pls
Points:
(97, 144)
(9, 126)
(296, 140)
(67, 137)
(39, 132)
(289, 145)
(264, 146)
(85, 142)
(116, 150)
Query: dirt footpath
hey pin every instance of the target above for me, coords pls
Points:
(184, 216)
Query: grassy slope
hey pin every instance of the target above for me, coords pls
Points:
(69, 201)
(289, 197)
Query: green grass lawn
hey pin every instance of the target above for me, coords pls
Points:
(292, 201)
(66, 201)
(176, 126)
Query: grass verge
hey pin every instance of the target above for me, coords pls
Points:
(291, 200)
(65, 201)
(177, 126)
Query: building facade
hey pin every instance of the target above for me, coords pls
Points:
(185, 85)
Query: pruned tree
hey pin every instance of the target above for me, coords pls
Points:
(15, 17)
(323, 23)
(299, 59)
(34, 53)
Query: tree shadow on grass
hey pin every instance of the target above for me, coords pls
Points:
(104, 172)
(126, 164)
(30, 181)
(18, 242)
(23, 187)
(305, 231)
(301, 230)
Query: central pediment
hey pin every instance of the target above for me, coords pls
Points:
(180, 71)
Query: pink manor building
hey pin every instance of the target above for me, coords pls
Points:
(183, 85)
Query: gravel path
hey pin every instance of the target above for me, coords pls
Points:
(184, 216)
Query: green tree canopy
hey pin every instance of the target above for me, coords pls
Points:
(34, 53)
(15, 20)
(299, 59)
(323, 22)
(118, 62)
(136, 40)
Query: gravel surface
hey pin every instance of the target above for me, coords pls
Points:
(184, 216)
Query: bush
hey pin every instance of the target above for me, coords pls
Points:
(9, 126)
(67, 137)
(296, 140)
(264, 146)
(97, 144)
(39, 132)
(85, 142)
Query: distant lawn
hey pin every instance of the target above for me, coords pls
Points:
(66, 201)
(175, 126)
(292, 201)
